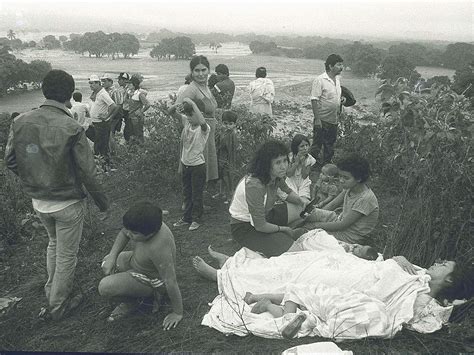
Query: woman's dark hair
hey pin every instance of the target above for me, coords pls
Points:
(356, 165)
(332, 60)
(199, 59)
(58, 86)
(261, 163)
(261, 72)
(296, 141)
(462, 283)
(135, 82)
(144, 217)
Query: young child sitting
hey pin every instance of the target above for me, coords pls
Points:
(147, 270)
(327, 186)
(360, 208)
(297, 175)
(227, 145)
(194, 137)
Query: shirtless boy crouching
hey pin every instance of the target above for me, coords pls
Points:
(143, 271)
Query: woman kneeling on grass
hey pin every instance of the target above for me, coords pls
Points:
(146, 271)
(256, 222)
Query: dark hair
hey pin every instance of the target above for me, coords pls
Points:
(135, 82)
(144, 217)
(332, 60)
(198, 59)
(261, 163)
(188, 108)
(14, 114)
(356, 165)
(77, 96)
(371, 254)
(462, 283)
(261, 72)
(229, 116)
(222, 69)
(58, 86)
(187, 79)
(296, 141)
(212, 80)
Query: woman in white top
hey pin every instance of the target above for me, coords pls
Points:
(262, 93)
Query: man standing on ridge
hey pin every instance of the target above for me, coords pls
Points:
(49, 152)
(326, 104)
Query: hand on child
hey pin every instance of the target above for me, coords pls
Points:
(171, 321)
(108, 265)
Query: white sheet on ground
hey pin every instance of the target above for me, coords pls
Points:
(346, 297)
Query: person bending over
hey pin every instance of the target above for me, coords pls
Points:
(148, 270)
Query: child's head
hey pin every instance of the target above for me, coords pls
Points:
(353, 170)
(365, 252)
(77, 96)
(329, 171)
(143, 218)
(299, 142)
(229, 118)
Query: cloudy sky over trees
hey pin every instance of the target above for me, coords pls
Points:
(418, 19)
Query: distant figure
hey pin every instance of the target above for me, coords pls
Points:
(138, 105)
(80, 110)
(49, 152)
(326, 104)
(116, 95)
(262, 93)
(123, 80)
(224, 89)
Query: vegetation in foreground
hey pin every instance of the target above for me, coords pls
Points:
(423, 177)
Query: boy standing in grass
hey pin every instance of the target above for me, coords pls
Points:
(147, 270)
(194, 138)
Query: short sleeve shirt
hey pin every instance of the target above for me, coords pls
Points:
(328, 94)
(100, 107)
(365, 203)
(194, 141)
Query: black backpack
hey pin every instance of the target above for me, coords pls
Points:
(350, 99)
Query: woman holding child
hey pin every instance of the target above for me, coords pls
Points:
(198, 90)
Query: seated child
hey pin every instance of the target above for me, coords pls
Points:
(327, 186)
(297, 176)
(148, 270)
(227, 145)
(360, 208)
(193, 139)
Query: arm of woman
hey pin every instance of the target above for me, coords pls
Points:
(144, 101)
(337, 202)
(349, 219)
(197, 114)
(295, 199)
(292, 168)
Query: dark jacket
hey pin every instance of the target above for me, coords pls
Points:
(49, 151)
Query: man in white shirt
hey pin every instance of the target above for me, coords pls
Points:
(326, 104)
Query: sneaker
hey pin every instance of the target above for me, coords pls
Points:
(180, 223)
(194, 226)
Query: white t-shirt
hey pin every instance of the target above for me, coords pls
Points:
(194, 142)
(100, 107)
(79, 111)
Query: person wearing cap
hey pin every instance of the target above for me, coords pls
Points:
(125, 93)
(262, 93)
(326, 104)
(49, 152)
(103, 108)
(224, 89)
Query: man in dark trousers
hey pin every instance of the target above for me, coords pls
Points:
(49, 151)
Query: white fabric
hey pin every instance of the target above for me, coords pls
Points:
(318, 278)
(323, 347)
(296, 182)
(194, 142)
(100, 106)
(48, 206)
(262, 94)
(79, 111)
(239, 208)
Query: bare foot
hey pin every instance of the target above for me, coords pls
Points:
(261, 306)
(204, 269)
(221, 258)
(248, 298)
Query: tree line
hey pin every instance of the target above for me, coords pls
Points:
(15, 73)
(181, 47)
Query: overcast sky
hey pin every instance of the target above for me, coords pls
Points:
(418, 19)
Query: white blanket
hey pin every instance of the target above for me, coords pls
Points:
(346, 297)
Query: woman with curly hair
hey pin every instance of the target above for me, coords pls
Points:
(256, 221)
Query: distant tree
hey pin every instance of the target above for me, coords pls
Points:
(394, 67)
(258, 47)
(38, 70)
(179, 47)
(458, 55)
(112, 47)
(11, 35)
(321, 51)
(32, 44)
(95, 43)
(416, 53)
(439, 80)
(464, 81)
(364, 59)
(16, 44)
(51, 42)
(128, 45)
(62, 38)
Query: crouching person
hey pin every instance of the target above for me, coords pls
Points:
(146, 271)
